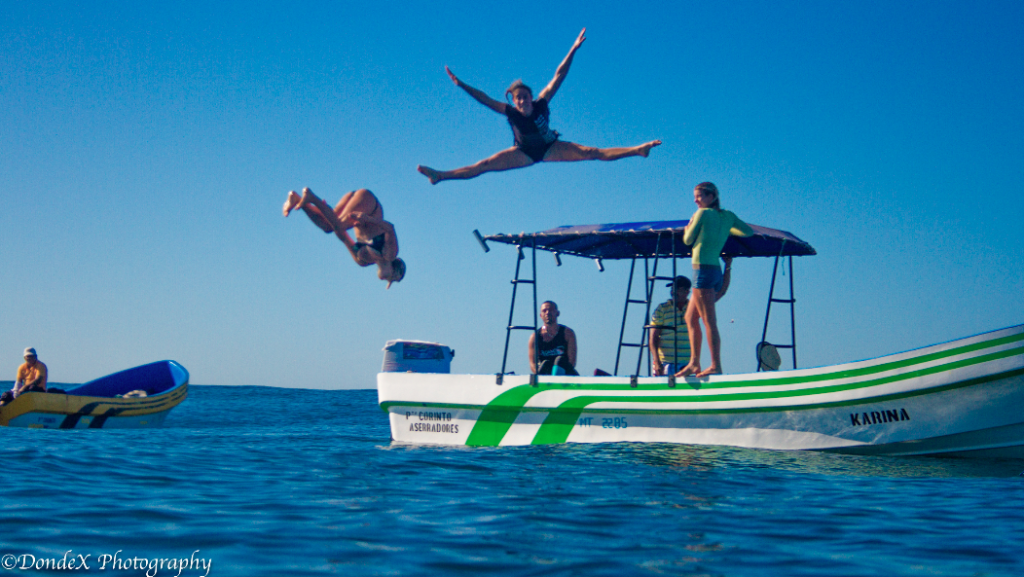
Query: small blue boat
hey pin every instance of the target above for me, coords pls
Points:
(139, 397)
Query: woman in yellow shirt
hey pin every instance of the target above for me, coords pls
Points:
(707, 232)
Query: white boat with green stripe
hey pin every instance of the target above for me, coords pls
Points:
(962, 398)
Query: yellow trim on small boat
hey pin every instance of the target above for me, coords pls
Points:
(55, 403)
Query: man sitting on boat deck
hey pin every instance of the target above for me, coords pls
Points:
(554, 353)
(31, 377)
(670, 349)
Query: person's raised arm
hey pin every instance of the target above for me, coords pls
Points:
(477, 95)
(726, 278)
(563, 69)
(740, 228)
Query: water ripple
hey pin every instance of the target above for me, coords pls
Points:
(319, 488)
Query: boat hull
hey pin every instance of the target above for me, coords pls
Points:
(99, 405)
(961, 398)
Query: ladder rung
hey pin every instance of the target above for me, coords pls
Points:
(784, 301)
(636, 302)
(522, 281)
(630, 345)
(513, 328)
(666, 327)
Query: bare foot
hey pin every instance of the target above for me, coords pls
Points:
(645, 149)
(690, 369)
(306, 194)
(712, 370)
(291, 202)
(430, 173)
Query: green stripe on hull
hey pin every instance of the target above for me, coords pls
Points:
(490, 427)
(851, 373)
(583, 401)
(559, 435)
(556, 427)
(499, 414)
(555, 430)
(497, 417)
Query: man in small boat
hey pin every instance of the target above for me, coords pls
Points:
(553, 347)
(670, 349)
(31, 377)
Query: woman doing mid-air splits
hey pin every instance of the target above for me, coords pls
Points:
(534, 140)
(707, 231)
(375, 241)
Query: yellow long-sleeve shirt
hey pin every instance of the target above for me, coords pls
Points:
(708, 230)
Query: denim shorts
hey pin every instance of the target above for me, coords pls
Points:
(708, 276)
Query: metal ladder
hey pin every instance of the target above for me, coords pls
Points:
(651, 276)
(791, 301)
(515, 288)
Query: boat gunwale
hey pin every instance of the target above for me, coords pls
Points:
(70, 404)
(513, 398)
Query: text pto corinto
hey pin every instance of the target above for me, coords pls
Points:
(118, 562)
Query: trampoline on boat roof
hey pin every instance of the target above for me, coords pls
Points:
(664, 238)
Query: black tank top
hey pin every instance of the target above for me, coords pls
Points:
(557, 346)
(532, 130)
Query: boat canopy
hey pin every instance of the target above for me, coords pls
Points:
(650, 239)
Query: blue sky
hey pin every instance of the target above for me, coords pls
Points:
(145, 152)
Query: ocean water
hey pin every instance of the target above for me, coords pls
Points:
(269, 481)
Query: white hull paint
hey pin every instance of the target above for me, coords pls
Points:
(964, 397)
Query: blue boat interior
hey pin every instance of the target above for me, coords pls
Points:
(154, 378)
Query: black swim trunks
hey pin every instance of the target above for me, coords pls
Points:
(535, 152)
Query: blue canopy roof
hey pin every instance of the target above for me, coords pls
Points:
(647, 239)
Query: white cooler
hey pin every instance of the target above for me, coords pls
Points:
(402, 356)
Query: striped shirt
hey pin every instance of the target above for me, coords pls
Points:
(668, 315)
